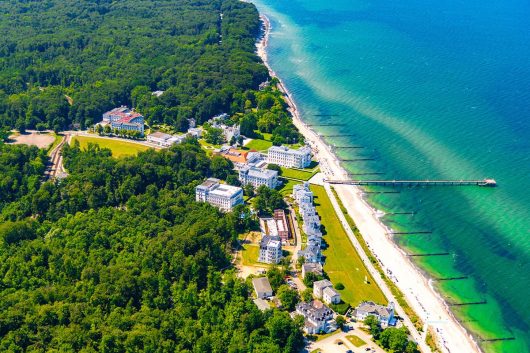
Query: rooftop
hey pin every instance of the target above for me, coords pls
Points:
(322, 284)
(373, 308)
(261, 284)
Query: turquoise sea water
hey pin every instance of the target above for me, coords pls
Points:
(431, 90)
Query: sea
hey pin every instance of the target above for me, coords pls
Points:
(422, 89)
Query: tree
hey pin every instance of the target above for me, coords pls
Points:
(221, 167)
(373, 325)
(312, 277)
(276, 277)
(307, 295)
(394, 339)
(249, 190)
(268, 200)
(214, 136)
(289, 297)
(339, 286)
(275, 167)
(340, 320)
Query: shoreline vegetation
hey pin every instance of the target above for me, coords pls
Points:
(423, 305)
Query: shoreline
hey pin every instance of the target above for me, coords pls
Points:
(426, 302)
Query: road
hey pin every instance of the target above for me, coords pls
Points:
(55, 168)
(330, 344)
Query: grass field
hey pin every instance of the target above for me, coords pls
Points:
(355, 340)
(119, 148)
(258, 145)
(300, 174)
(343, 264)
(287, 188)
(250, 254)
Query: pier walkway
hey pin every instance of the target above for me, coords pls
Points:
(483, 182)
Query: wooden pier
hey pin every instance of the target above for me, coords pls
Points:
(451, 278)
(347, 147)
(483, 182)
(430, 254)
(417, 232)
(339, 135)
(330, 124)
(356, 159)
(480, 302)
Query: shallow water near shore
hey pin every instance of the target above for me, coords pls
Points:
(431, 91)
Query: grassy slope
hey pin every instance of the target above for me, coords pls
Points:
(119, 148)
(300, 174)
(343, 264)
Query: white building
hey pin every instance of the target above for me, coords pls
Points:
(319, 286)
(257, 177)
(220, 195)
(302, 193)
(317, 316)
(270, 249)
(123, 118)
(286, 157)
(262, 287)
(330, 296)
(384, 314)
(230, 132)
(312, 267)
(164, 140)
(195, 132)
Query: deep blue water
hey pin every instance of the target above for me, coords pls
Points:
(432, 90)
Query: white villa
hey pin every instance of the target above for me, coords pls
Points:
(270, 249)
(319, 286)
(384, 314)
(165, 140)
(330, 296)
(262, 287)
(286, 157)
(220, 195)
(258, 176)
(302, 193)
(317, 316)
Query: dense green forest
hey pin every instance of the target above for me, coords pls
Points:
(105, 53)
(118, 257)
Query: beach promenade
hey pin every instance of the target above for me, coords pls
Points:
(420, 294)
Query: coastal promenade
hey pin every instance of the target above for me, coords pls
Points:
(417, 289)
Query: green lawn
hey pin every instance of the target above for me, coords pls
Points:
(300, 174)
(119, 148)
(258, 145)
(343, 264)
(250, 254)
(287, 188)
(355, 340)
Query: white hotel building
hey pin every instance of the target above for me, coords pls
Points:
(257, 177)
(286, 157)
(220, 195)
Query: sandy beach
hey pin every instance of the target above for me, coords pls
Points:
(420, 294)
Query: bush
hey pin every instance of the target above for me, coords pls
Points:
(339, 286)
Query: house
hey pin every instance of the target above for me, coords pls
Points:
(122, 118)
(232, 154)
(195, 132)
(230, 132)
(164, 140)
(384, 314)
(192, 123)
(311, 253)
(220, 195)
(257, 177)
(282, 225)
(262, 287)
(262, 304)
(270, 249)
(317, 316)
(330, 296)
(290, 158)
(157, 93)
(318, 287)
(302, 193)
(312, 267)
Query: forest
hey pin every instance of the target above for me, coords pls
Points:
(118, 257)
(68, 61)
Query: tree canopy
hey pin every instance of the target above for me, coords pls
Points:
(119, 257)
(64, 61)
